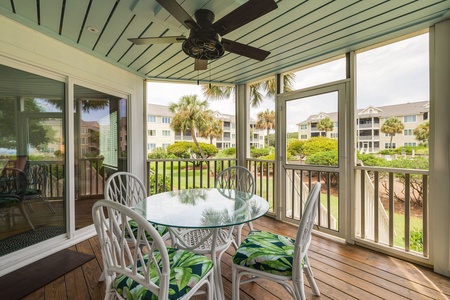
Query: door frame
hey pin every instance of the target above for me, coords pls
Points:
(344, 161)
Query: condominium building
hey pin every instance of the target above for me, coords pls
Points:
(369, 121)
(160, 135)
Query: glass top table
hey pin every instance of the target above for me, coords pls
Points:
(202, 208)
(202, 220)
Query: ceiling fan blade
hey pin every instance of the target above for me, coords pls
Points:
(158, 40)
(179, 13)
(200, 64)
(245, 50)
(244, 14)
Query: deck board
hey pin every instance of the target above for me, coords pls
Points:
(342, 271)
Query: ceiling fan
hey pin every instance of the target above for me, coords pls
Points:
(205, 40)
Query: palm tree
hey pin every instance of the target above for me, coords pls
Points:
(325, 125)
(392, 126)
(191, 114)
(266, 120)
(217, 92)
(257, 90)
(422, 132)
(214, 130)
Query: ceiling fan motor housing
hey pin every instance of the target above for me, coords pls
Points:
(203, 43)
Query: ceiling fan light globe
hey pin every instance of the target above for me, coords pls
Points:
(203, 48)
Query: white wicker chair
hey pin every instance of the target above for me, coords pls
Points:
(153, 274)
(258, 262)
(240, 179)
(127, 189)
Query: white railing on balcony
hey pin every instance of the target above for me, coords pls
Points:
(296, 199)
(392, 208)
(299, 180)
(177, 174)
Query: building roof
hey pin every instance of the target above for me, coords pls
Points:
(396, 110)
(159, 110)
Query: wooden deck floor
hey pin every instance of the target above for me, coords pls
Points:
(342, 272)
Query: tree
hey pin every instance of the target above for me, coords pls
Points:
(422, 132)
(266, 120)
(257, 90)
(392, 126)
(39, 134)
(213, 130)
(191, 114)
(325, 125)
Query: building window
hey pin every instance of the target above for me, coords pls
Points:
(233, 135)
(151, 132)
(304, 137)
(425, 116)
(389, 146)
(387, 134)
(166, 132)
(165, 120)
(408, 132)
(410, 144)
(165, 145)
(151, 119)
(151, 146)
(303, 127)
(334, 135)
(409, 119)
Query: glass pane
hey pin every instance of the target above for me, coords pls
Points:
(392, 131)
(319, 74)
(31, 141)
(312, 130)
(100, 146)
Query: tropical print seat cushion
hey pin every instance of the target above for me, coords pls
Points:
(162, 230)
(268, 252)
(186, 270)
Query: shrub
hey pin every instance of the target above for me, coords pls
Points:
(323, 158)
(158, 153)
(371, 160)
(230, 152)
(320, 144)
(258, 152)
(416, 240)
(296, 147)
(160, 184)
(179, 149)
(208, 149)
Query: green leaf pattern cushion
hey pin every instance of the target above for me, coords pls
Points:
(162, 230)
(186, 270)
(268, 252)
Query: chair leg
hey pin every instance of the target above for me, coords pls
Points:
(47, 203)
(25, 215)
(235, 281)
(310, 276)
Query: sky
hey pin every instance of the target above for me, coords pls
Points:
(392, 74)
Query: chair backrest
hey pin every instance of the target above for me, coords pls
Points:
(37, 173)
(125, 188)
(303, 238)
(236, 178)
(13, 183)
(121, 248)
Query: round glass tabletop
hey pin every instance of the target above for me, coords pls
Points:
(202, 208)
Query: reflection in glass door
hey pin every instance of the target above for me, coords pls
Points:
(31, 148)
(100, 146)
(310, 139)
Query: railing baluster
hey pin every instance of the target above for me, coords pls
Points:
(363, 204)
(391, 209)
(407, 211)
(156, 177)
(164, 188)
(425, 215)
(208, 168)
(193, 174)
(329, 199)
(376, 208)
(171, 175)
(187, 174)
